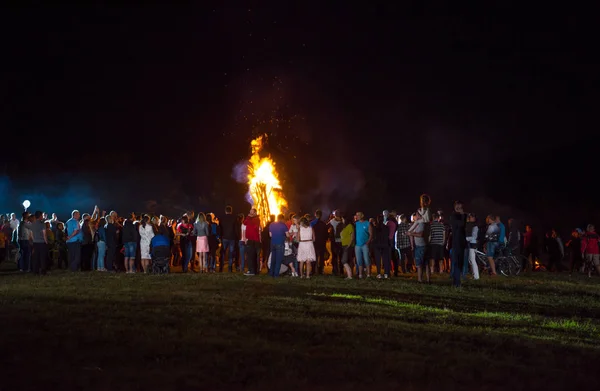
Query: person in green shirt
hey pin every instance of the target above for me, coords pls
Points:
(347, 236)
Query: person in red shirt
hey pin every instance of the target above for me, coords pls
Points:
(590, 248)
(252, 223)
(184, 231)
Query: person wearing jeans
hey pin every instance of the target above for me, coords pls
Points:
(230, 234)
(101, 245)
(364, 235)
(472, 232)
(278, 233)
(74, 239)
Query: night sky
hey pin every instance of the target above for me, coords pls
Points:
(367, 107)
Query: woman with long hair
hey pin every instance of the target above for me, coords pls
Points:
(202, 231)
(146, 230)
(306, 247)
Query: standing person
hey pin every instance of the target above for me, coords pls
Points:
(416, 232)
(252, 223)
(320, 229)
(403, 245)
(265, 241)
(184, 232)
(390, 219)
(130, 243)
(458, 221)
(530, 248)
(347, 242)
(437, 239)
(61, 243)
(277, 233)
(87, 241)
(382, 248)
(242, 243)
(590, 248)
(492, 235)
(472, 233)
(306, 247)
(101, 244)
(514, 237)
(335, 228)
(214, 238)
(39, 258)
(110, 230)
(146, 230)
(23, 233)
(364, 236)
(202, 233)
(230, 232)
(74, 239)
(574, 246)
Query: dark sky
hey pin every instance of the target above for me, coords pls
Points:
(367, 107)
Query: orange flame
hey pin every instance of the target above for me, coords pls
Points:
(263, 182)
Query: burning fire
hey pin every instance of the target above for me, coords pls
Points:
(263, 182)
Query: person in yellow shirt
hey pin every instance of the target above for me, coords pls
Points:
(347, 237)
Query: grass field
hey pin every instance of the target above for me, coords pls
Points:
(97, 331)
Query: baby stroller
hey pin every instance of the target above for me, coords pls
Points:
(161, 255)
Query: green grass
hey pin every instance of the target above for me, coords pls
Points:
(96, 331)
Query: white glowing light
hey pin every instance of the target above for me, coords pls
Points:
(26, 204)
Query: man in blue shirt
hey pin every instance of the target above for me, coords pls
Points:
(74, 239)
(277, 232)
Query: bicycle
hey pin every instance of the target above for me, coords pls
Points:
(506, 263)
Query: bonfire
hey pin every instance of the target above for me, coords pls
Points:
(263, 182)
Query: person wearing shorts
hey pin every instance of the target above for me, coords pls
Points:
(129, 243)
(437, 235)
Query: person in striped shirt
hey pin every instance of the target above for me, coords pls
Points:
(437, 239)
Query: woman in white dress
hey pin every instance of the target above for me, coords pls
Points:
(146, 234)
(306, 247)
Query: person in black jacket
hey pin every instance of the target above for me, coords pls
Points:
(230, 235)
(320, 229)
(382, 247)
(130, 243)
(458, 221)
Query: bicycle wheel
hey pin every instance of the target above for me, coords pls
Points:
(503, 266)
(518, 262)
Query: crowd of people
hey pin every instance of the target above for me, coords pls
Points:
(299, 245)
